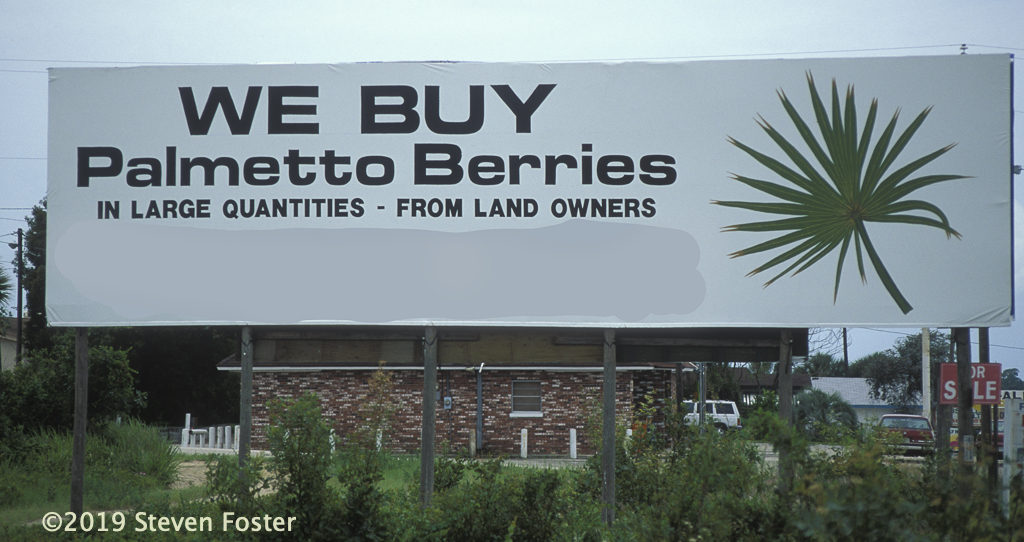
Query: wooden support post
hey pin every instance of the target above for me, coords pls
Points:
(679, 385)
(80, 418)
(965, 415)
(608, 431)
(245, 404)
(786, 471)
(427, 437)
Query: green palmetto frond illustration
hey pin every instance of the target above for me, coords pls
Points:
(828, 199)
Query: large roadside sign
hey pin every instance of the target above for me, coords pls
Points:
(986, 384)
(817, 192)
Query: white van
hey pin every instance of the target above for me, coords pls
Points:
(722, 414)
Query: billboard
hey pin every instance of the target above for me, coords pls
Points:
(819, 192)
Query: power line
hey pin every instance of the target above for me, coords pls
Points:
(911, 334)
(70, 61)
(994, 46)
(679, 57)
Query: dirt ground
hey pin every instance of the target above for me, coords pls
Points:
(190, 473)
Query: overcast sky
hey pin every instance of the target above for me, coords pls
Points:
(38, 35)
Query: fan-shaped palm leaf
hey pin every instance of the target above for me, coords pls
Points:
(827, 199)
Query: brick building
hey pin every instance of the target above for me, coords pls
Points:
(547, 381)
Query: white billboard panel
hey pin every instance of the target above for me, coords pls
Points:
(642, 194)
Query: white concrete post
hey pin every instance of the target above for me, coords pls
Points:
(185, 433)
(472, 442)
(229, 438)
(572, 443)
(522, 445)
(238, 436)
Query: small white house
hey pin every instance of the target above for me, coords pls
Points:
(857, 392)
(8, 344)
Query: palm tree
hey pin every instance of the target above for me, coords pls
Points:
(5, 290)
(817, 411)
(828, 204)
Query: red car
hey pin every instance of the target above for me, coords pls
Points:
(916, 430)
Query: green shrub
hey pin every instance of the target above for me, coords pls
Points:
(231, 489)
(512, 504)
(960, 506)
(861, 493)
(713, 486)
(363, 502)
(300, 446)
(760, 424)
(448, 471)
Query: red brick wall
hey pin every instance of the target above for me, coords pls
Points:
(567, 399)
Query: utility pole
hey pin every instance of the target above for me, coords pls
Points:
(926, 374)
(965, 414)
(943, 413)
(846, 354)
(21, 273)
(989, 421)
(786, 467)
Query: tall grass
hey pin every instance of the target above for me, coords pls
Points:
(138, 450)
(124, 463)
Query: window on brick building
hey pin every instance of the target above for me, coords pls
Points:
(526, 397)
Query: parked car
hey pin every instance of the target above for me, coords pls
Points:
(722, 414)
(917, 432)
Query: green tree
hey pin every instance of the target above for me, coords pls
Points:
(721, 379)
(821, 364)
(1011, 380)
(818, 414)
(895, 374)
(37, 333)
(40, 394)
(5, 291)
